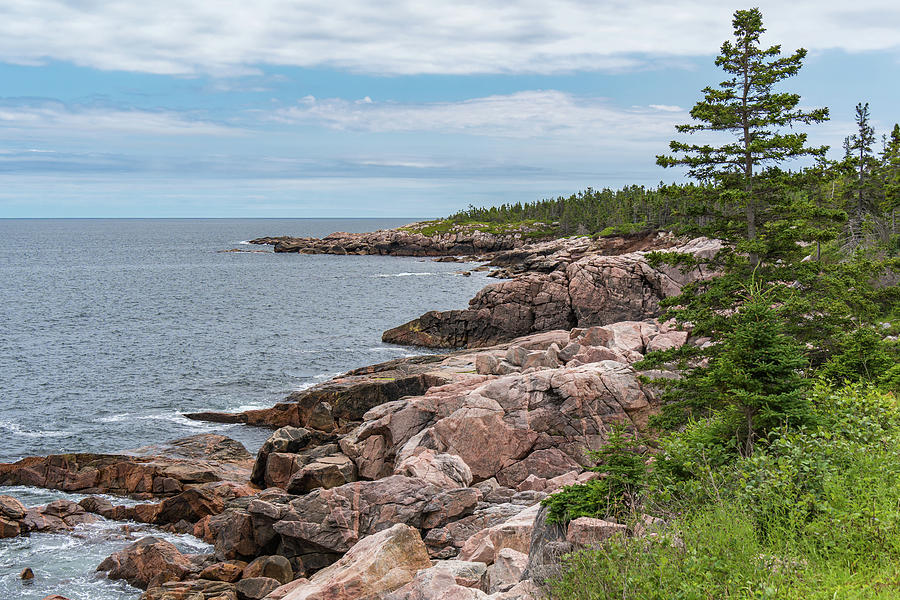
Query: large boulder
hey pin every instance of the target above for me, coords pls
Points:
(443, 470)
(372, 568)
(149, 562)
(326, 523)
(11, 514)
(436, 583)
(327, 472)
(255, 588)
(546, 547)
(197, 589)
(514, 533)
(284, 440)
(274, 567)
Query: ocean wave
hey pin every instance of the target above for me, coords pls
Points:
(403, 274)
(170, 417)
(16, 429)
(245, 243)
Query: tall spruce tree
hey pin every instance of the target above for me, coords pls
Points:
(747, 106)
(861, 158)
(810, 302)
(890, 167)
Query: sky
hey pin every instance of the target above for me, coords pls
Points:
(292, 108)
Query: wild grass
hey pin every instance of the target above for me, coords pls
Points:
(813, 515)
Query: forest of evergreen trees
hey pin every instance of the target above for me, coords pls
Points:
(863, 187)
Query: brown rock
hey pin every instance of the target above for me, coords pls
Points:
(137, 475)
(11, 508)
(9, 528)
(284, 440)
(507, 570)
(446, 471)
(228, 571)
(274, 567)
(326, 472)
(255, 588)
(436, 584)
(326, 523)
(149, 562)
(372, 568)
(585, 532)
(514, 533)
(284, 590)
(196, 589)
(596, 289)
(26, 573)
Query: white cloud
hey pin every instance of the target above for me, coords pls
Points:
(57, 117)
(406, 36)
(666, 108)
(528, 114)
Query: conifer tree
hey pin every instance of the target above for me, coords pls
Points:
(747, 106)
(861, 158)
(890, 164)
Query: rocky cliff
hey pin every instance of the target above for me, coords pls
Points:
(561, 285)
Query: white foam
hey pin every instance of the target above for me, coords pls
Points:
(17, 429)
(170, 417)
(245, 243)
(246, 407)
(403, 274)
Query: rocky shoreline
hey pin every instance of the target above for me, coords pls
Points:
(418, 478)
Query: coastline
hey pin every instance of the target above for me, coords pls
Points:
(342, 436)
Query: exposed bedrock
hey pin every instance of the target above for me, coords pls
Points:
(329, 407)
(397, 242)
(157, 471)
(56, 517)
(595, 289)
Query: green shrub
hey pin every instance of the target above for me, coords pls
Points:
(614, 495)
(864, 355)
(715, 555)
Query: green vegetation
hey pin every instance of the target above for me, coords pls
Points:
(616, 495)
(774, 461)
(812, 515)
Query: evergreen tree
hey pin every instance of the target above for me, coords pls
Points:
(746, 106)
(890, 167)
(861, 158)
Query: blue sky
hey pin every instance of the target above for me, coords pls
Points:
(277, 108)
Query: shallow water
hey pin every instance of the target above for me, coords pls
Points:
(110, 330)
(66, 563)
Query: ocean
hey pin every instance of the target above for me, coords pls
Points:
(112, 329)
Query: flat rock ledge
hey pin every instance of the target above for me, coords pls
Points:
(397, 242)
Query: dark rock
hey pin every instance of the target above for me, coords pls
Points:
(285, 440)
(255, 588)
(274, 567)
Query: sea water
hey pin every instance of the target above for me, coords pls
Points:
(112, 329)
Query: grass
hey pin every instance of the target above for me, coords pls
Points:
(529, 229)
(815, 515)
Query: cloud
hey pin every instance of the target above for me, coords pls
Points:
(232, 37)
(34, 115)
(527, 114)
